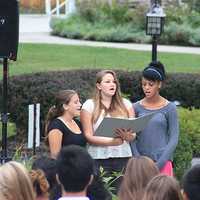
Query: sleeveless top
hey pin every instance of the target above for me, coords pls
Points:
(104, 152)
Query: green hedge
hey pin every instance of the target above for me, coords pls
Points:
(76, 28)
(41, 87)
(189, 140)
(183, 154)
(189, 124)
(101, 22)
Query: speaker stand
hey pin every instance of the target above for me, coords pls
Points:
(4, 115)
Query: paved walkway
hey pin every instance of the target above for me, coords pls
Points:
(36, 29)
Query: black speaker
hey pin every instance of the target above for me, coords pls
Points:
(9, 29)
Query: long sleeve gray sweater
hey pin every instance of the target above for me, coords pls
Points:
(160, 137)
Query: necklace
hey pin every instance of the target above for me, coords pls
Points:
(154, 105)
(72, 125)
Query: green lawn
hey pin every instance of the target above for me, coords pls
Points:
(11, 129)
(46, 57)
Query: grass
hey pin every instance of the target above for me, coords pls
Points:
(11, 129)
(48, 57)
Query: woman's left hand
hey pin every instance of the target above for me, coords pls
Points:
(125, 134)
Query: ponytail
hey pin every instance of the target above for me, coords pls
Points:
(52, 114)
(39, 182)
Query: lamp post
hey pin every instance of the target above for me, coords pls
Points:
(155, 25)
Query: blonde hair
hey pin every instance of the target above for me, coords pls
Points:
(40, 183)
(15, 182)
(139, 171)
(163, 187)
(117, 107)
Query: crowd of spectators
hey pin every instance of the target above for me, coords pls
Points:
(71, 177)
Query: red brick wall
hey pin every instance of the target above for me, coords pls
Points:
(32, 3)
(35, 4)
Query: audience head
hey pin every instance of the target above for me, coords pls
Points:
(40, 183)
(74, 168)
(191, 183)
(139, 171)
(162, 187)
(97, 190)
(48, 165)
(63, 101)
(154, 72)
(15, 183)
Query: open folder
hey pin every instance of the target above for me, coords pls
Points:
(109, 125)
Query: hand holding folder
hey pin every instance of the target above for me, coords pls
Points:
(109, 125)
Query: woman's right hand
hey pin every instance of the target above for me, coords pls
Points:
(125, 134)
(117, 141)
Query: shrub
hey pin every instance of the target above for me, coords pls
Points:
(92, 11)
(56, 24)
(183, 155)
(189, 125)
(117, 14)
(118, 34)
(101, 31)
(89, 10)
(189, 140)
(194, 19)
(195, 39)
(100, 21)
(40, 88)
(137, 17)
(176, 14)
(178, 86)
(178, 34)
(184, 88)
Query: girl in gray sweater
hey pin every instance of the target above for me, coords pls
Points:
(160, 137)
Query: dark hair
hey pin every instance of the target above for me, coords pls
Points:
(74, 168)
(155, 71)
(62, 97)
(191, 183)
(48, 165)
(97, 190)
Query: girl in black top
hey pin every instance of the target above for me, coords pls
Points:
(61, 127)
